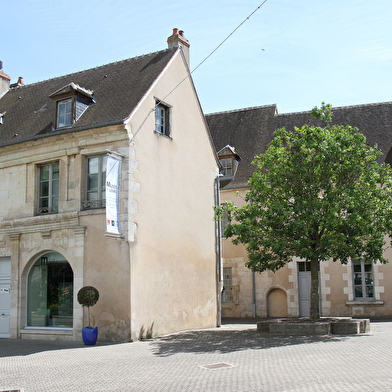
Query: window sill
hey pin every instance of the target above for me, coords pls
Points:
(365, 303)
(164, 135)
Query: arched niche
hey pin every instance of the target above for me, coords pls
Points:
(277, 303)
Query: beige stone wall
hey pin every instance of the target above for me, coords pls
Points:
(173, 262)
(78, 236)
(160, 276)
(336, 283)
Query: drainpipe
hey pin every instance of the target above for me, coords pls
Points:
(219, 253)
(254, 294)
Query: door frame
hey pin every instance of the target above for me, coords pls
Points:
(5, 293)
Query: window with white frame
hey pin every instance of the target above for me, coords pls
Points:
(227, 166)
(95, 196)
(48, 188)
(64, 113)
(227, 294)
(162, 119)
(363, 279)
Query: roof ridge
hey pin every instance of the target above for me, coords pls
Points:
(340, 107)
(243, 109)
(362, 104)
(92, 68)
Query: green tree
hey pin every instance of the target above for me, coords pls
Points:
(317, 193)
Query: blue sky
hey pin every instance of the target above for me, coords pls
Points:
(292, 53)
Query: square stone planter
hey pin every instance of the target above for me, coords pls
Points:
(298, 327)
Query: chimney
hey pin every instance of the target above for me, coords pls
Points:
(177, 40)
(4, 81)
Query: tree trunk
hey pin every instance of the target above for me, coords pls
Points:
(314, 290)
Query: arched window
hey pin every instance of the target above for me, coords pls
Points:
(50, 292)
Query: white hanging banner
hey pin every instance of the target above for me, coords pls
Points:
(113, 177)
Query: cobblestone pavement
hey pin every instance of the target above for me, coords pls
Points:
(242, 360)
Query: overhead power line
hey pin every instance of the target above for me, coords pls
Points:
(246, 19)
(202, 62)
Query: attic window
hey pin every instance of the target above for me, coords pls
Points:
(64, 113)
(162, 118)
(71, 102)
(227, 166)
(229, 160)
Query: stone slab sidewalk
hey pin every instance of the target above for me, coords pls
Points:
(234, 357)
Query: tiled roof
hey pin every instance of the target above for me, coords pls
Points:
(117, 89)
(247, 130)
(250, 130)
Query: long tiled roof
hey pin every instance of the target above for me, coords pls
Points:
(250, 130)
(117, 89)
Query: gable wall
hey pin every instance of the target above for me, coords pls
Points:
(173, 260)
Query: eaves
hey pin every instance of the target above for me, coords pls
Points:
(63, 132)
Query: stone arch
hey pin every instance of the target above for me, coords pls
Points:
(277, 302)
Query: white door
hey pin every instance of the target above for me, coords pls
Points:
(5, 287)
(304, 282)
(304, 286)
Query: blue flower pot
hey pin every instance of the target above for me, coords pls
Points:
(90, 335)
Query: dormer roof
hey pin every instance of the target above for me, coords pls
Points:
(71, 88)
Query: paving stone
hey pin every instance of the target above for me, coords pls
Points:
(234, 357)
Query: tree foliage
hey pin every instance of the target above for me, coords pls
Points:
(88, 296)
(317, 193)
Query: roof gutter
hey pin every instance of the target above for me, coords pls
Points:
(63, 132)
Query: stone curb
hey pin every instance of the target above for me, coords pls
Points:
(337, 326)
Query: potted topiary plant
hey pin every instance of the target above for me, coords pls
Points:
(88, 296)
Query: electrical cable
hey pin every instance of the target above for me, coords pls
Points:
(202, 62)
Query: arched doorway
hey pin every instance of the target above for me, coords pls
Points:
(50, 292)
(277, 303)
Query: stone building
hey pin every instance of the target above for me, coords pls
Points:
(154, 260)
(355, 289)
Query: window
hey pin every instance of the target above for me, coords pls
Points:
(225, 219)
(50, 292)
(72, 101)
(95, 182)
(64, 113)
(304, 266)
(48, 189)
(227, 166)
(227, 294)
(363, 279)
(162, 119)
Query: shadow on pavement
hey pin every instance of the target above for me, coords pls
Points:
(20, 347)
(226, 341)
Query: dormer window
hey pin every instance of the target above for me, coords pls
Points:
(71, 102)
(227, 166)
(64, 113)
(229, 160)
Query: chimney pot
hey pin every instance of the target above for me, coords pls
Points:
(177, 40)
(20, 81)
